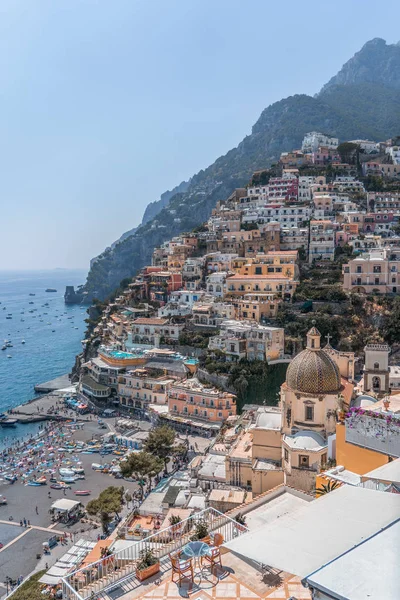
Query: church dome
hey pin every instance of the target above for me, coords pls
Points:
(313, 371)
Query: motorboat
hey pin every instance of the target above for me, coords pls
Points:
(79, 470)
(8, 422)
(23, 342)
(82, 492)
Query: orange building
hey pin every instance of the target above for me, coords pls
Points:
(189, 397)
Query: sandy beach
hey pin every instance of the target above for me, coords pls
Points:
(37, 458)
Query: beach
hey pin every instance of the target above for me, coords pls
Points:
(31, 504)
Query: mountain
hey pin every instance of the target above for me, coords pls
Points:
(376, 62)
(361, 101)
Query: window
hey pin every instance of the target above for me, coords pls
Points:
(304, 461)
(309, 416)
(323, 459)
(258, 271)
(359, 270)
(376, 366)
(286, 455)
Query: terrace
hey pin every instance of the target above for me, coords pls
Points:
(114, 576)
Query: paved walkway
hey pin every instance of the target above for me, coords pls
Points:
(25, 530)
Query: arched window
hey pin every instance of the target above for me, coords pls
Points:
(312, 343)
(376, 365)
(376, 383)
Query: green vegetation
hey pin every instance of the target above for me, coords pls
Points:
(31, 588)
(142, 465)
(109, 502)
(160, 443)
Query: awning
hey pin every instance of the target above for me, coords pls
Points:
(316, 533)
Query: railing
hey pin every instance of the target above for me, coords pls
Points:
(120, 567)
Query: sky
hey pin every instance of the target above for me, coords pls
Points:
(107, 104)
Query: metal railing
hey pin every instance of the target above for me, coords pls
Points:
(120, 567)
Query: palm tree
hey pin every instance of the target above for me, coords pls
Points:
(327, 487)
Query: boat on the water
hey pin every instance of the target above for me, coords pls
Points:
(33, 483)
(10, 478)
(51, 290)
(59, 486)
(8, 422)
(82, 492)
(32, 294)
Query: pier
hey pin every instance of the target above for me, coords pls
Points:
(55, 384)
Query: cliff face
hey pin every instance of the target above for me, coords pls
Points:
(360, 101)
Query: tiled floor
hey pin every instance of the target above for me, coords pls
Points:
(238, 580)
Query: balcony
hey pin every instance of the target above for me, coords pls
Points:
(118, 571)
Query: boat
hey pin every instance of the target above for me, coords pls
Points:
(41, 480)
(68, 479)
(66, 472)
(51, 290)
(23, 342)
(4, 347)
(32, 294)
(10, 478)
(9, 356)
(8, 317)
(34, 483)
(82, 492)
(8, 422)
(79, 470)
(59, 486)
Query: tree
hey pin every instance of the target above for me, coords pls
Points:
(110, 501)
(141, 465)
(160, 443)
(391, 325)
(348, 152)
(327, 487)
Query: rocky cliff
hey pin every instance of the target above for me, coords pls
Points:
(362, 100)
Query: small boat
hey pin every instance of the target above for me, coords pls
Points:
(59, 486)
(79, 470)
(51, 290)
(67, 472)
(41, 480)
(82, 492)
(8, 422)
(9, 356)
(32, 294)
(68, 479)
(10, 478)
(31, 303)
(33, 483)
(8, 317)
(23, 342)
(4, 347)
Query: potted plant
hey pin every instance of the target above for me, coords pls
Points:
(241, 522)
(148, 565)
(200, 532)
(175, 521)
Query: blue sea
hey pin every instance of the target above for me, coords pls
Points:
(52, 336)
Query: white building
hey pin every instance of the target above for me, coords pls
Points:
(313, 140)
(249, 339)
(216, 284)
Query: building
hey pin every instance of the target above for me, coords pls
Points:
(137, 388)
(376, 368)
(152, 330)
(322, 241)
(313, 392)
(248, 339)
(375, 271)
(191, 399)
(313, 140)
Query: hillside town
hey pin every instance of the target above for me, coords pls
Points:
(267, 341)
(248, 385)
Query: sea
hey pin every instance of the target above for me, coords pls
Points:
(45, 334)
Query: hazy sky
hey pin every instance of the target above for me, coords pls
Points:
(106, 104)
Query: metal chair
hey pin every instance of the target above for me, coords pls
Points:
(182, 568)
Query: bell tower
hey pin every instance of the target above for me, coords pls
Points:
(376, 368)
(313, 339)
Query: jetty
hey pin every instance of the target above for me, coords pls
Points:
(58, 383)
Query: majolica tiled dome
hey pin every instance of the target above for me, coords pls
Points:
(313, 371)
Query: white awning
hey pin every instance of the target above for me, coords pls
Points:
(318, 532)
(65, 505)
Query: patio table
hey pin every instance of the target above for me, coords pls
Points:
(196, 551)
